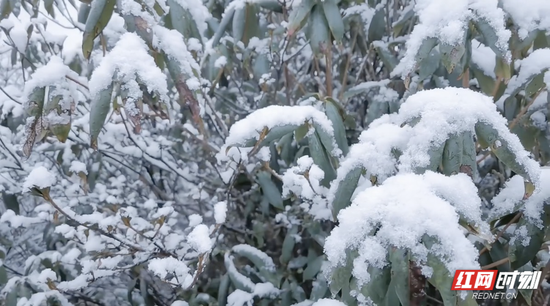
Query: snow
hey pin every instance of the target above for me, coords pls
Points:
(40, 177)
(53, 73)
(199, 239)
(172, 43)
(510, 197)
(450, 111)
(220, 212)
(220, 62)
(275, 116)
(428, 204)
(484, 57)
(240, 298)
(194, 220)
(528, 16)
(328, 302)
(265, 290)
(162, 266)
(180, 303)
(447, 22)
(533, 64)
(18, 35)
(78, 167)
(266, 260)
(198, 11)
(129, 60)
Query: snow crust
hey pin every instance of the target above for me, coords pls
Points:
(39, 177)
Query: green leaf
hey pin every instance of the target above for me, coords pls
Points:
(100, 14)
(321, 158)
(48, 5)
(257, 257)
(469, 155)
(240, 281)
(10, 201)
(288, 245)
(333, 113)
(3, 276)
(5, 9)
(318, 31)
(223, 290)
(425, 49)
(429, 65)
(389, 60)
(301, 132)
(334, 18)
(376, 110)
(340, 276)
(486, 83)
(377, 27)
(519, 253)
(227, 17)
(270, 190)
(452, 155)
(313, 267)
(182, 20)
(400, 275)
(272, 5)
(489, 36)
(488, 136)
(376, 289)
(442, 280)
(319, 290)
(98, 113)
(298, 15)
(436, 156)
(345, 190)
(536, 84)
(239, 21)
(451, 55)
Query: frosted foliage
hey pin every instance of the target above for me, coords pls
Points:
(308, 188)
(130, 62)
(40, 178)
(444, 112)
(328, 302)
(511, 197)
(277, 116)
(171, 42)
(428, 204)
(447, 22)
(440, 114)
(535, 63)
(528, 16)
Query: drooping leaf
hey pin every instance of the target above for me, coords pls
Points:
(313, 267)
(333, 113)
(227, 17)
(377, 27)
(298, 15)
(334, 18)
(223, 290)
(400, 275)
(345, 190)
(98, 113)
(321, 158)
(100, 14)
(270, 190)
(318, 31)
(288, 245)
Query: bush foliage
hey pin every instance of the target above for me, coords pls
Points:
(271, 152)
